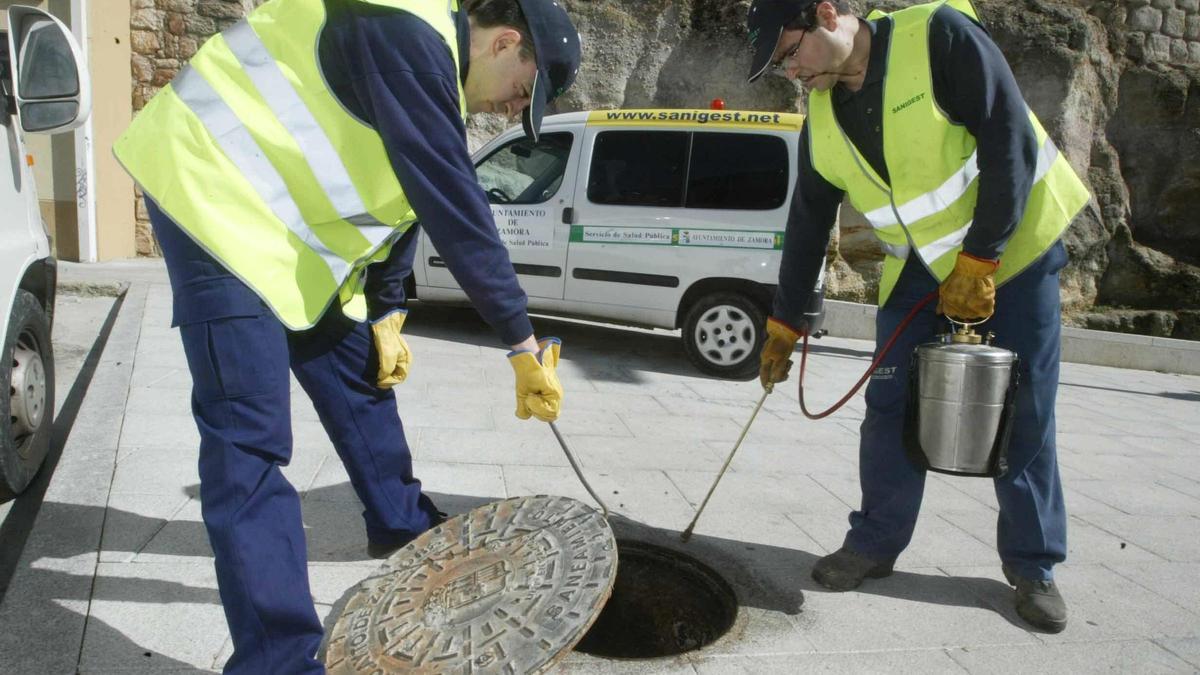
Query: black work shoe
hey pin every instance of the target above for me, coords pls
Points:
(381, 550)
(1039, 602)
(844, 570)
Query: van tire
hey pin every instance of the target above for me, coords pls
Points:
(27, 397)
(723, 333)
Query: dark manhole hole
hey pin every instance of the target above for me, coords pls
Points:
(663, 603)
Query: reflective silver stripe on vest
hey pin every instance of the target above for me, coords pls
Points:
(1047, 155)
(237, 143)
(930, 252)
(324, 161)
(931, 202)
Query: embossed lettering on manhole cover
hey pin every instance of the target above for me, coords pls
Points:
(508, 588)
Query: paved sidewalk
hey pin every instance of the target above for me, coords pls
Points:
(116, 575)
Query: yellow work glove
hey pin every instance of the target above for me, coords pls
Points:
(394, 355)
(775, 360)
(970, 290)
(539, 393)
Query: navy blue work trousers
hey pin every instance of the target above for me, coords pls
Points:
(1031, 533)
(239, 355)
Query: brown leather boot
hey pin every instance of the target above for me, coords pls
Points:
(844, 570)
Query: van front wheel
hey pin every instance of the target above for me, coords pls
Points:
(723, 333)
(27, 397)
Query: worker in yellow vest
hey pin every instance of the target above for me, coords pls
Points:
(285, 170)
(916, 118)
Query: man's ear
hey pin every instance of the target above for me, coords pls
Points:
(826, 15)
(506, 39)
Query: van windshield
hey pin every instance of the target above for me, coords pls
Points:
(525, 172)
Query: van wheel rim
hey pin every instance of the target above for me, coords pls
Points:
(724, 335)
(27, 391)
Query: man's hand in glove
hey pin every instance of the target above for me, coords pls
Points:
(775, 360)
(539, 393)
(394, 355)
(970, 290)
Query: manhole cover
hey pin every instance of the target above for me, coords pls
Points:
(508, 588)
(664, 603)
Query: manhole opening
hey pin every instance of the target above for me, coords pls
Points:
(663, 603)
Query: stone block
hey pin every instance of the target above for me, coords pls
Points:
(147, 19)
(1138, 3)
(1163, 4)
(1179, 51)
(176, 23)
(144, 41)
(1189, 6)
(1158, 48)
(201, 26)
(1173, 22)
(1194, 52)
(1191, 28)
(219, 9)
(142, 68)
(1147, 19)
(177, 5)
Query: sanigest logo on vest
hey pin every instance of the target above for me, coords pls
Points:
(909, 102)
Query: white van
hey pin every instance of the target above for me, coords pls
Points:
(660, 218)
(44, 91)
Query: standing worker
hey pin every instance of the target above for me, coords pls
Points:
(297, 148)
(916, 117)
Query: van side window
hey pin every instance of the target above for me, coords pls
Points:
(524, 172)
(737, 171)
(638, 168)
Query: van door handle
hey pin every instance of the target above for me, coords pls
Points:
(568, 216)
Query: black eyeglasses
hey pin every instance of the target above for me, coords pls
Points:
(780, 67)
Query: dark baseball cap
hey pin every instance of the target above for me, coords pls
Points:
(766, 21)
(557, 45)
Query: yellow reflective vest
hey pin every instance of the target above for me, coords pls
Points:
(930, 203)
(250, 152)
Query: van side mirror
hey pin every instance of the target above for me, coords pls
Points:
(50, 91)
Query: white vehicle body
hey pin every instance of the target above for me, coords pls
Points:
(44, 91)
(632, 216)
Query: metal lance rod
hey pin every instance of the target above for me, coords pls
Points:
(687, 534)
(578, 472)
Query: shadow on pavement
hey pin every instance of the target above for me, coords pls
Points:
(19, 524)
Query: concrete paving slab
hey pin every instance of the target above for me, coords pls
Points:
(581, 666)
(1138, 498)
(910, 661)
(1086, 543)
(132, 521)
(648, 497)
(1133, 656)
(787, 458)
(488, 447)
(170, 611)
(775, 493)
(880, 614)
(1173, 581)
(1102, 605)
(44, 614)
(1187, 649)
(645, 452)
(1169, 537)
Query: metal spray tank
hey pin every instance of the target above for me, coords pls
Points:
(962, 390)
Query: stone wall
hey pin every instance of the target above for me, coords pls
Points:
(1164, 31)
(164, 34)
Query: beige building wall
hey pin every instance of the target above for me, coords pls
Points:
(110, 52)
